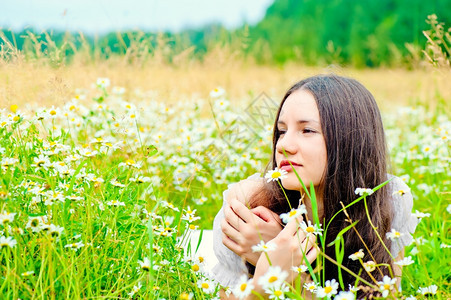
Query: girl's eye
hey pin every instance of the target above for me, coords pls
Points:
(281, 132)
(308, 130)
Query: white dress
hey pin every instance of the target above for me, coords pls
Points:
(230, 266)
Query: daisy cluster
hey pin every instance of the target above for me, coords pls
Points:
(101, 181)
(99, 197)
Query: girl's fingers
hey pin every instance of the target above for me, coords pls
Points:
(312, 254)
(232, 218)
(291, 228)
(241, 210)
(229, 231)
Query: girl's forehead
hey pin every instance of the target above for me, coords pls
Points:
(300, 103)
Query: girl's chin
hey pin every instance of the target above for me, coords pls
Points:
(291, 184)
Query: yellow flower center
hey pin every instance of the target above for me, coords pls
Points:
(14, 108)
(386, 286)
(16, 118)
(292, 213)
(192, 227)
(276, 174)
(53, 112)
(310, 229)
(327, 289)
(278, 293)
(272, 279)
(184, 296)
(195, 268)
(205, 285)
(243, 287)
(201, 259)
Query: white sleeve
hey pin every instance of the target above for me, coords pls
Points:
(403, 220)
(230, 266)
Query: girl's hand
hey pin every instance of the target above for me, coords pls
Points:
(244, 228)
(292, 244)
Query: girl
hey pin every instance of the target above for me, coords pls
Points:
(329, 130)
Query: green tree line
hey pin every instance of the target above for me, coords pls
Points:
(351, 32)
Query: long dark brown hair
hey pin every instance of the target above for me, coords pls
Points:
(356, 157)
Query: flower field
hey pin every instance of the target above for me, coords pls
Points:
(99, 197)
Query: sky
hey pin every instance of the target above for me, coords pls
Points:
(101, 16)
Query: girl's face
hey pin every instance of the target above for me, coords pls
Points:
(302, 139)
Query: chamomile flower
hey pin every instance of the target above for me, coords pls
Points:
(86, 152)
(74, 246)
(243, 288)
(55, 231)
(103, 82)
(144, 264)
(276, 174)
(357, 255)
(432, 289)
(192, 227)
(299, 269)
(330, 288)
(135, 289)
(7, 242)
(36, 223)
(405, 261)
(117, 183)
(394, 234)
(293, 214)
(386, 285)
(311, 286)
(6, 217)
(363, 191)
(217, 92)
(310, 229)
(264, 247)
(131, 163)
(369, 266)
(27, 273)
(140, 179)
(206, 285)
(420, 215)
(277, 292)
(169, 205)
(345, 296)
(115, 203)
(273, 277)
(186, 296)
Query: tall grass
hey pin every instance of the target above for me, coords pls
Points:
(101, 185)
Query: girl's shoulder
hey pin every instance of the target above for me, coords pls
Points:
(245, 188)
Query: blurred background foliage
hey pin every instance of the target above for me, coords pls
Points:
(354, 33)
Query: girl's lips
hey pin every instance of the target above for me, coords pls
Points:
(287, 168)
(285, 165)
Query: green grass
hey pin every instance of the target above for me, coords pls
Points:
(186, 160)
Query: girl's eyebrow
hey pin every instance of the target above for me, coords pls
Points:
(298, 122)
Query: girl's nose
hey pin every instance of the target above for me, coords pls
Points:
(286, 143)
